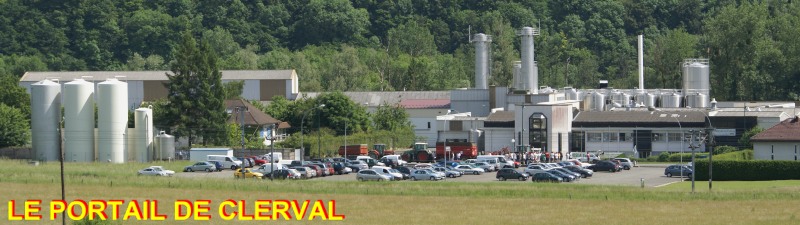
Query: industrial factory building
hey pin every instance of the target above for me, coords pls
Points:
(524, 117)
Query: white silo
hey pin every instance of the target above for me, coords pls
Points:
(45, 120)
(78, 121)
(482, 42)
(166, 146)
(142, 135)
(112, 120)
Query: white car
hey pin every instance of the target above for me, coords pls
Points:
(156, 171)
(484, 165)
(469, 169)
(535, 168)
(626, 163)
(294, 174)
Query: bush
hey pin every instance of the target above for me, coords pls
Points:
(663, 157)
(749, 170)
(724, 149)
(622, 156)
(736, 155)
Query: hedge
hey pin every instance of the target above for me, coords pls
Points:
(749, 170)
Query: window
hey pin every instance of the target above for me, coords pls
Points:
(610, 137)
(675, 137)
(658, 137)
(594, 137)
(429, 125)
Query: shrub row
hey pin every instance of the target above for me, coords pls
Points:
(749, 170)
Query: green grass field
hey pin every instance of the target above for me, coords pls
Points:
(775, 202)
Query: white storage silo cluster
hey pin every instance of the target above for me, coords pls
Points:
(45, 120)
(112, 120)
(143, 135)
(79, 121)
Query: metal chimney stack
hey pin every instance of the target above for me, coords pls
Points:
(482, 42)
(529, 70)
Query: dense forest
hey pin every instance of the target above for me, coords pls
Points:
(391, 45)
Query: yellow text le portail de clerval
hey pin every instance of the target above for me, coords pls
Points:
(31, 210)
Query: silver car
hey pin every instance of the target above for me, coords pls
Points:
(426, 175)
(469, 169)
(485, 166)
(369, 174)
(200, 166)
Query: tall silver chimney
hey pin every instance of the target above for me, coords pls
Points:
(482, 42)
(529, 70)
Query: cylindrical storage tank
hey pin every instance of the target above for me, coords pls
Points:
(570, 93)
(646, 99)
(598, 101)
(45, 120)
(697, 100)
(482, 42)
(166, 146)
(143, 133)
(696, 75)
(112, 120)
(588, 101)
(78, 121)
(622, 98)
(671, 100)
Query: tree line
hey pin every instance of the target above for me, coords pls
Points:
(368, 45)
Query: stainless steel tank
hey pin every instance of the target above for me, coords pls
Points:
(697, 100)
(588, 101)
(671, 100)
(621, 98)
(166, 147)
(598, 101)
(696, 76)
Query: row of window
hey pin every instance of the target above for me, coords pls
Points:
(628, 137)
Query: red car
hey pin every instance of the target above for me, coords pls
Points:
(319, 170)
(258, 160)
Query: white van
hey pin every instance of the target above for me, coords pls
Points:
(278, 157)
(369, 160)
(396, 159)
(502, 161)
(586, 157)
(268, 167)
(226, 161)
(388, 171)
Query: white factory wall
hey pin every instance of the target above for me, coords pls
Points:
(776, 151)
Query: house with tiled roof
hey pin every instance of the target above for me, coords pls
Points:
(780, 142)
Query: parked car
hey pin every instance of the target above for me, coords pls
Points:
(426, 174)
(218, 164)
(564, 176)
(447, 172)
(485, 166)
(294, 174)
(404, 170)
(156, 171)
(368, 174)
(469, 169)
(569, 172)
(678, 170)
(535, 168)
(626, 163)
(546, 177)
(404, 176)
(357, 165)
(605, 165)
(258, 161)
(247, 173)
(277, 174)
(510, 173)
(584, 172)
(305, 172)
(320, 171)
(200, 166)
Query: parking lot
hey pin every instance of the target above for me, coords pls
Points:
(653, 175)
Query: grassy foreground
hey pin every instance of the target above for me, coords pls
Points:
(419, 202)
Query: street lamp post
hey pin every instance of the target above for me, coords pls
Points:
(445, 138)
(302, 135)
(272, 152)
(241, 110)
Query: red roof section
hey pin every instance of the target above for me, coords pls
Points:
(788, 130)
(425, 103)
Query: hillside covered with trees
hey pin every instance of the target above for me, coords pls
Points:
(371, 45)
